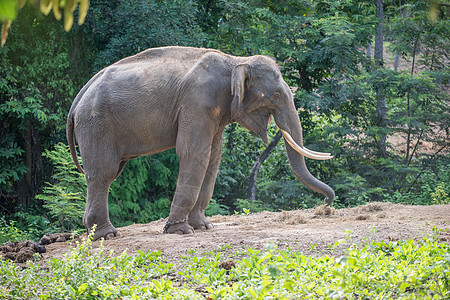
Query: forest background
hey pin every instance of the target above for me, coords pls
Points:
(384, 115)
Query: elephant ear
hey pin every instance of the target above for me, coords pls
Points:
(240, 78)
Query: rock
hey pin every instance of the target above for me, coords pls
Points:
(45, 240)
(60, 239)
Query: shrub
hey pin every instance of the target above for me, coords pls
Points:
(432, 187)
(10, 232)
(374, 270)
(65, 198)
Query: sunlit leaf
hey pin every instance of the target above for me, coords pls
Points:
(8, 9)
(46, 6)
(56, 9)
(83, 9)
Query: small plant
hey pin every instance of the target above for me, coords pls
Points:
(247, 206)
(65, 207)
(10, 232)
(64, 199)
(216, 208)
(440, 196)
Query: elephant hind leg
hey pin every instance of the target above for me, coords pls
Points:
(121, 166)
(101, 168)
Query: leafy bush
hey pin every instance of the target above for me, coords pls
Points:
(35, 224)
(10, 232)
(216, 208)
(376, 270)
(143, 191)
(246, 206)
(12, 167)
(66, 207)
(286, 195)
(432, 187)
(440, 196)
(64, 199)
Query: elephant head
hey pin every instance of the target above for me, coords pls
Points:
(260, 92)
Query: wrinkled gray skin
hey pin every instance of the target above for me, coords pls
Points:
(177, 97)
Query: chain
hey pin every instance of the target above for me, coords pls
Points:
(173, 223)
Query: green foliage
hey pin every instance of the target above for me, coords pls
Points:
(65, 173)
(240, 150)
(66, 198)
(354, 190)
(440, 196)
(9, 10)
(33, 223)
(67, 208)
(124, 28)
(85, 275)
(36, 89)
(12, 167)
(427, 188)
(216, 208)
(10, 232)
(245, 206)
(376, 270)
(285, 195)
(142, 193)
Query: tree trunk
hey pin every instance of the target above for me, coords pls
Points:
(24, 193)
(381, 99)
(408, 106)
(257, 165)
(27, 187)
(396, 61)
(369, 50)
(378, 55)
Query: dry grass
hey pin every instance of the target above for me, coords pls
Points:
(292, 218)
(324, 210)
(374, 207)
(362, 217)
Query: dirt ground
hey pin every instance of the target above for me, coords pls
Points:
(311, 231)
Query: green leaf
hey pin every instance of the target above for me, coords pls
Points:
(8, 10)
(82, 288)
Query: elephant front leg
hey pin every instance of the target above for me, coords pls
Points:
(193, 166)
(197, 218)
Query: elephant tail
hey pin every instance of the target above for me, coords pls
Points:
(71, 140)
(70, 120)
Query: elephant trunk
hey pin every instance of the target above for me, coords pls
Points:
(298, 165)
(291, 128)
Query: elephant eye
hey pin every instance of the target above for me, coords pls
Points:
(276, 96)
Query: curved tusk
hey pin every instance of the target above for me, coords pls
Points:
(303, 151)
(317, 153)
(310, 151)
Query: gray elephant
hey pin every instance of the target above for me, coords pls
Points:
(184, 98)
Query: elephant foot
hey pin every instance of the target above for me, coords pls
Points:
(199, 221)
(178, 227)
(107, 232)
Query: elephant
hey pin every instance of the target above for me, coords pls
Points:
(182, 98)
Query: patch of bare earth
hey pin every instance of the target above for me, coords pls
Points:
(311, 231)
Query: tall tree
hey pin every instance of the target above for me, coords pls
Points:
(36, 89)
(379, 61)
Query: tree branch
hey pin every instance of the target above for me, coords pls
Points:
(257, 165)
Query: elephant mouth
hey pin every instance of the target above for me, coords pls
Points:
(305, 151)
